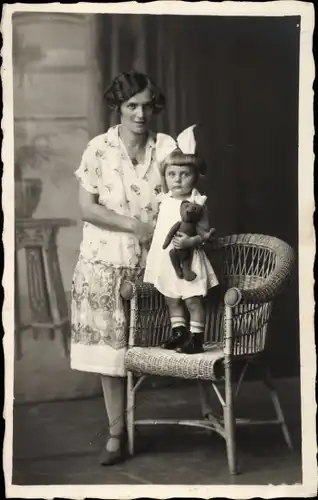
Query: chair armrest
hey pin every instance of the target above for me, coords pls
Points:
(264, 293)
(129, 290)
(148, 316)
(235, 296)
(247, 310)
(260, 295)
(276, 281)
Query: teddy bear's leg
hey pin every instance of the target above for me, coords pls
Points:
(188, 274)
(175, 260)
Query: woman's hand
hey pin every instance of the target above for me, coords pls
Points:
(182, 241)
(143, 231)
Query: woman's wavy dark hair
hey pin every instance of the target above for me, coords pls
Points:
(128, 84)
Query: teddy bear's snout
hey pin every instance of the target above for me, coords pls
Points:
(190, 212)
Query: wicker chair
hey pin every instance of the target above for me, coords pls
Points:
(252, 270)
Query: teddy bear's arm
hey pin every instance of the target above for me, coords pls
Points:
(203, 226)
(171, 234)
(204, 223)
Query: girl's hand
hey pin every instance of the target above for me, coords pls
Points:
(143, 231)
(181, 241)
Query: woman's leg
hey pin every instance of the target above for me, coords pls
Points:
(114, 390)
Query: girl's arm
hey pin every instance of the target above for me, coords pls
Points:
(204, 234)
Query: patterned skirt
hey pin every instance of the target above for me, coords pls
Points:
(99, 323)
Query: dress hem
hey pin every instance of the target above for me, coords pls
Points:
(99, 371)
(102, 360)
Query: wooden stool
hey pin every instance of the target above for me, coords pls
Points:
(46, 293)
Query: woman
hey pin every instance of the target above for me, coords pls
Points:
(119, 179)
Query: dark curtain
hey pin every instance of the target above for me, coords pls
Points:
(237, 77)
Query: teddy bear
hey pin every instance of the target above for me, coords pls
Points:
(181, 259)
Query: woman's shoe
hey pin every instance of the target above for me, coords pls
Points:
(179, 336)
(113, 457)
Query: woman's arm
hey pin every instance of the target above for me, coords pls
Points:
(103, 217)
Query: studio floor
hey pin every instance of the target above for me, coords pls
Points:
(59, 442)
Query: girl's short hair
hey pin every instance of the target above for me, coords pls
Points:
(128, 84)
(180, 159)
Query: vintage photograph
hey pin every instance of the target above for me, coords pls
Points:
(157, 333)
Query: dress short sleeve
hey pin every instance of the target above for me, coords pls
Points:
(88, 171)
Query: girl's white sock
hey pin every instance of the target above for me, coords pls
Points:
(177, 321)
(197, 327)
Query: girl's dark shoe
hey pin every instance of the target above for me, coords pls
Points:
(191, 346)
(113, 457)
(178, 337)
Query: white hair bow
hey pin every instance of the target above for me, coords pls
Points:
(200, 199)
(166, 144)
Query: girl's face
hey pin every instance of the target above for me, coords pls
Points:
(137, 112)
(180, 179)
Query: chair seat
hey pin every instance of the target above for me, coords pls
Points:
(162, 362)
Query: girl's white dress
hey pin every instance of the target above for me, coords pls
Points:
(159, 270)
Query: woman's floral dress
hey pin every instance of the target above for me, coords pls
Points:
(99, 333)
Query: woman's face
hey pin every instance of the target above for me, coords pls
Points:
(180, 179)
(136, 113)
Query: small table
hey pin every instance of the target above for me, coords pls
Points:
(46, 293)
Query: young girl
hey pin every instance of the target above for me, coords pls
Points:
(180, 170)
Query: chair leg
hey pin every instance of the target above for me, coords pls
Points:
(130, 412)
(229, 424)
(278, 409)
(229, 428)
(204, 399)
